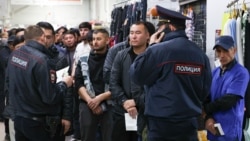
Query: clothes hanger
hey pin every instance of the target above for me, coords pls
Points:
(234, 13)
(244, 6)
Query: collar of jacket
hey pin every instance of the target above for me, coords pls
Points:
(36, 45)
(229, 66)
(175, 34)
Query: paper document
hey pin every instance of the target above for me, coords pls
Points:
(130, 123)
(62, 73)
(219, 129)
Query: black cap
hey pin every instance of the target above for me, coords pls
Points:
(225, 42)
(173, 16)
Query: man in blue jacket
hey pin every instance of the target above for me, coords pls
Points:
(228, 90)
(177, 78)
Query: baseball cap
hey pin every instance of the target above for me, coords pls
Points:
(225, 42)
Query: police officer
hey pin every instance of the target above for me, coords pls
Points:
(31, 81)
(177, 77)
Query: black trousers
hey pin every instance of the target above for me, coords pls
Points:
(165, 130)
(30, 130)
(89, 124)
(119, 130)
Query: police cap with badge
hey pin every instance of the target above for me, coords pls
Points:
(171, 16)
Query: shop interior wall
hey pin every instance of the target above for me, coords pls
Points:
(90, 10)
(70, 15)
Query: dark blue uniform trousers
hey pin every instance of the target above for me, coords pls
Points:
(30, 130)
(168, 130)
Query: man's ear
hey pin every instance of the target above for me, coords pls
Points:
(107, 40)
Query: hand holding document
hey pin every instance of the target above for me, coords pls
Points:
(62, 73)
(130, 123)
(219, 130)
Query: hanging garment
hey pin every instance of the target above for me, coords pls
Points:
(238, 41)
(225, 20)
(190, 25)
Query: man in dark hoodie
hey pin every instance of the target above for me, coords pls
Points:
(94, 107)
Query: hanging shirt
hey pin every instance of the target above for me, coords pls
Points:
(239, 41)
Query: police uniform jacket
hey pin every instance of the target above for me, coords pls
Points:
(32, 82)
(4, 54)
(177, 76)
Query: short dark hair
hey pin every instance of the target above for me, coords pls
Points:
(101, 30)
(46, 25)
(62, 27)
(179, 26)
(12, 31)
(69, 32)
(76, 31)
(33, 32)
(90, 35)
(85, 25)
(19, 30)
(18, 39)
(148, 26)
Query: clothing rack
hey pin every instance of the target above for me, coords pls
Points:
(232, 3)
(126, 1)
(120, 2)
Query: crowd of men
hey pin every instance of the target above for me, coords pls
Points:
(157, 76)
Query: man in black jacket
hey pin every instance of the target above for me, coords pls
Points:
(61, 62)
(128, 97)
(33, 90)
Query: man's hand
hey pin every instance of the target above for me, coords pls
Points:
(132, 112)
(209, 125)
(129, 104)
(93, 103)
(66, 125)
(156, 37)
(68, 80)
(97, 110)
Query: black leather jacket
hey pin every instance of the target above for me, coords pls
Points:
(32, 86)
(122, 88)
(61, 62)
(110, 59)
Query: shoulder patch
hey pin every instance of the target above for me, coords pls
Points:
(53, 76)
(191, 69)
(19, 61)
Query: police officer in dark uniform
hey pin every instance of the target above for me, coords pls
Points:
(31, 81)
(177, 78)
